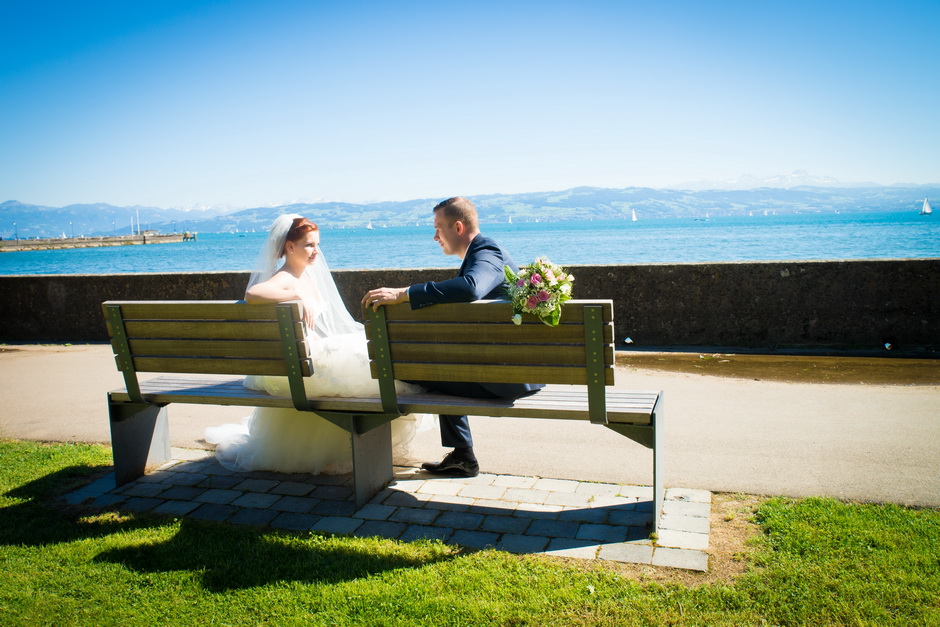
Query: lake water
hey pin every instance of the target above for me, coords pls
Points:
(668, 240)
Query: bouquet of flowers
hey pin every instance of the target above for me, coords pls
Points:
(538, 289)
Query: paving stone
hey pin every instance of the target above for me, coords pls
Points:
(295, 504)
(630, 518)
(536, 510)
(328, 480)
(78, 496)
(213, 511)
(685, 508)
(256, 499)
(199, 467)
(381, 529)
(448, 502)
(108, 500)
(695, 524)
(557, 485)
(644, 506)
(141, 504)
(638, 534)
(490, 492)
(425, 532)
(630, 552)
(294, 521)
(602, 533)
(217, 469)
(337, 524)
(256, 485)
(680, 558)
(570, 547)
(511, 481)
(408, 485)
(525, 495)
(474, 539)
(505, 524)
(252, 516)
(221, 482)
(688, 494)
(641, 492)
(497, 508)
(145, 489)
(522, 544)
(187, 478)
(292, 488)
(483, 478)
(405, 499)
(375, 511)
(460, 520)
(182, 492)
(553, 528)
(568, 499)
(219, 497)
(333, 492)
(440, 487)
(175, 508)
(584, 514)
(414, 515)
(682, 539)
(597, 488)
(335, 508)
(610, 502)
(157, 476)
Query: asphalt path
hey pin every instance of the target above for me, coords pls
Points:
(860, 441)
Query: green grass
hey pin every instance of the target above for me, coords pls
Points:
(818, 562)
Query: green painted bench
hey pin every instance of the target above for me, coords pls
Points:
(205, 348)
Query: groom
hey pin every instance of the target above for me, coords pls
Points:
(481, 276)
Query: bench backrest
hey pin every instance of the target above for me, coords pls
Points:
(479, 342)
(207, 337)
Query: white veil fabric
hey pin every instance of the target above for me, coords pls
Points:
(288, 440)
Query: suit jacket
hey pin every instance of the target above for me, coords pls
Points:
(481, 276)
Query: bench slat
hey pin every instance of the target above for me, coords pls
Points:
(488, 373)
(447, 353)
(218, 366)
(491, 333)
(197, 310)
(205, 330)
(496, 311)
(258, 349)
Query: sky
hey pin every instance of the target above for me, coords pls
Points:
(183, 103)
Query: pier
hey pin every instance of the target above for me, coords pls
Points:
(57, 243)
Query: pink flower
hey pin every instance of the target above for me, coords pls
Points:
(543, 295)
(520, 283)
(536, 279)
(549, 275)
(532, 302)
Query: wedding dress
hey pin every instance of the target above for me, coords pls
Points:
(288, 440)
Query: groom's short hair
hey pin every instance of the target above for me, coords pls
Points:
(459, 208)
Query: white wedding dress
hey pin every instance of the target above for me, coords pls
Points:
(288, 440)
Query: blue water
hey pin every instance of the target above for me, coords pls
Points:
(668, 240)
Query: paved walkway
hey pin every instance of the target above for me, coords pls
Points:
(558, 517)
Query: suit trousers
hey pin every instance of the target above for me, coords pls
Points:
(455, 430)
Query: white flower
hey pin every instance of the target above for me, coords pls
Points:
(517, 319)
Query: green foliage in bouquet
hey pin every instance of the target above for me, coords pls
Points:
(538, 289)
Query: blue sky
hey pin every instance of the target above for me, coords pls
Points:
(246, 103)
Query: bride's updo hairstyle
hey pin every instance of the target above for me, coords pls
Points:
(299, 228)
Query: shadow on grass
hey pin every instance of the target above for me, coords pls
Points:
(224, 557)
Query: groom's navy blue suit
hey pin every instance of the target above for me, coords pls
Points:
(481, 276)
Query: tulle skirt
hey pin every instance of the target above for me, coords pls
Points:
(288, 440)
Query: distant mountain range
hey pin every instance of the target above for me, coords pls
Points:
(580, 203)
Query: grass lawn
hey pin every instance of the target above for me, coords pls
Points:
(813, 562)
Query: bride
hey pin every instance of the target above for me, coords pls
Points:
(289, 440)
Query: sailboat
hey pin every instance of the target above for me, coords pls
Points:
(370, 227)
(633, 215)
(926, 210)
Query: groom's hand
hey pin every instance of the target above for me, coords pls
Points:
(385, 296)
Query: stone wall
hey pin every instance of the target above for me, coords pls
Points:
(815, 305)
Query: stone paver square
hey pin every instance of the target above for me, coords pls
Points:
(295, 522)
(687, 508)
(511, 481)
(474, 539)
(602, 533)
(295, 504)
(407, 485)
(595, 489)
(631, 552)
(505, 524)
(292, 488)
(375, 511)
(250, 516)
(525, 495)
(337, 524)
(414, 515)
(213, 511)
(674, 522)
(145, 489)
(460, 520)
(219, 497)
(522, 544)
(682, 539)
(334, 508)
(186, 478)
(256, 485)
(449, 502)
(557, 485)
(407, 499)
(584, 514)
(380, 529)
(688, 494)
(425, 532)
(568, 499)
(641, 492)
(221, 482)
(142, 503)
(490, 492)
(569, 547)
(553, 528)
(630, 518)
(256, 499)
(491, 508)
(175, 508)
(441, 487)
(680, 558)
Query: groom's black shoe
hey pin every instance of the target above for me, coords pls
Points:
(452, 465)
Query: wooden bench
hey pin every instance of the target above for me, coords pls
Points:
(208, 347)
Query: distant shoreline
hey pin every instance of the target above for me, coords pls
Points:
(16, 245)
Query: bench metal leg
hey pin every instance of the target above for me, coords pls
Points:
(140, 437)
(372, 461)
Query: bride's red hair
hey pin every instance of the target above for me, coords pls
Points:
(298, 230)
